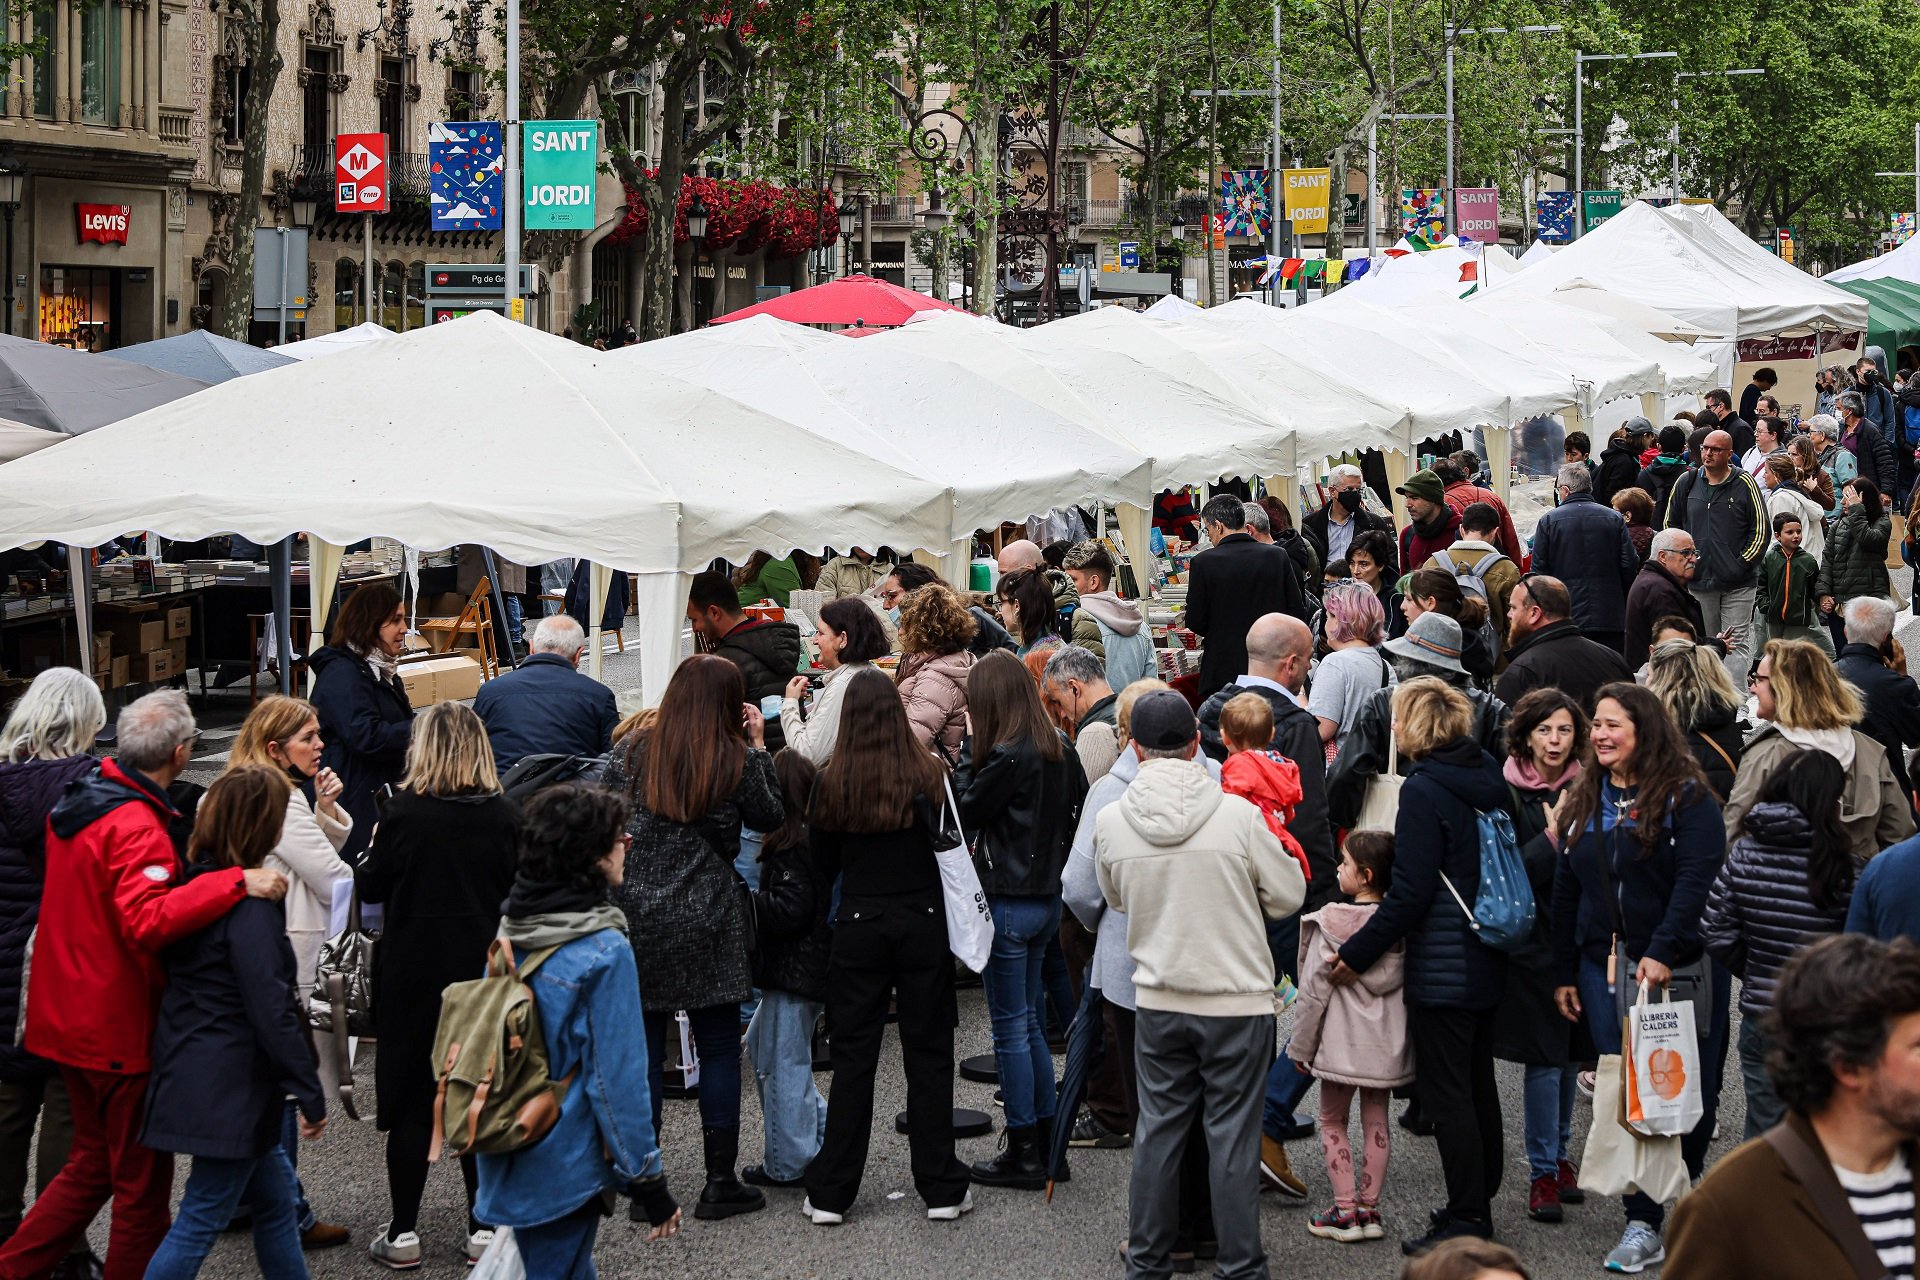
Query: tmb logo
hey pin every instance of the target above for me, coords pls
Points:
(103, 223)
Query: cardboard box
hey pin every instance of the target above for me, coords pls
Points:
(136, 633)
(154, 665)
(102, 650)
(180, 622)
(178, 648)
(120, 671)
(448, 679)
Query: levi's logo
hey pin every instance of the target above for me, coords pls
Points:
(103, 223)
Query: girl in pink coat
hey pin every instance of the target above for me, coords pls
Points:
(1352, 1037)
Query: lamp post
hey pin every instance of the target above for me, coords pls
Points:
(12, 176)
(1678, 76)
(1913, 173)
(1580, 60)
(849, 218)
(1454, 33)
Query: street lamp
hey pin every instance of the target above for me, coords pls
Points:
(696, 221)
(1454, 33)
(934, 215)
(13, 176)
(1580, 61)
(849, 214)
(1678, 76)
(1178, 227)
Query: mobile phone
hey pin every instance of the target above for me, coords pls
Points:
(386, 792)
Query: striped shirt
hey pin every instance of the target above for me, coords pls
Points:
(1884, 1204)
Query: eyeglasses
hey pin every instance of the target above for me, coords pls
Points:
(892, 597)
(1755, 680)
(1688, 554)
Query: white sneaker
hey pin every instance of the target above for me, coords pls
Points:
(477, 1244)
(402, 1254)
(1639, 1248)
(820, 1217)
(951, 1212)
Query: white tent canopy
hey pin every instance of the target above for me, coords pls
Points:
(1432, 273)
(1690, 262)
(1575, 333)
(1538, 251)
(17, 439)
(1900, 263)
(1589, 296)
(332, 344)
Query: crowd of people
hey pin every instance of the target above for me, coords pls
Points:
(1680, 706)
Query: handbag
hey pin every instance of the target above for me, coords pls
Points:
(969, 919)
(1380, 808)
(1662, 1067)
(1687, 982)
(341, 1006)
(1616, 1159)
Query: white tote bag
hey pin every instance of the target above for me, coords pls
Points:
(1662, 1067)
(1618, 1160)
(1380, 808)
(969, 922)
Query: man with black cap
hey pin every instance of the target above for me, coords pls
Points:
(1432, 525)
(1198, 874)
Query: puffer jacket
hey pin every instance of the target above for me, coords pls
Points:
(934, 692)
(1363, 753)
(28, 792)
(1438, 833)
(1354, 1034)
(1020, 809)
(790, 909)
(1856, 561)
(768, 655)
(1657, 479)
(1760, 911)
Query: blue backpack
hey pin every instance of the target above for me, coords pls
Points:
(1502, 912)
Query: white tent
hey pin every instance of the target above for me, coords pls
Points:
(1900, 263)
(332, 344)
(1171, 307)
(1538, 251)
(17, 439)
(1575, 332)
(1589, 296)
(1441, 272)
(1690, 262)
(478, 430)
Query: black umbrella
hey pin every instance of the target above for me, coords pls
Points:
(1084, 1046)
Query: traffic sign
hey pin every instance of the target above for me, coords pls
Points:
(1130, 253)
(360, 173)
(466, 279)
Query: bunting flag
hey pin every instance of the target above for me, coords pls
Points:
(1398, 253)
(1291, 268)
(1314, 269)
(1419, 242)
(1336, 270)
(1358, 267)
(1469, 272)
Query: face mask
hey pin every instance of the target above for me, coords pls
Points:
(893, 615)
(1351, 499)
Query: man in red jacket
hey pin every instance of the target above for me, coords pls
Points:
(108, 909)
(1456, 472)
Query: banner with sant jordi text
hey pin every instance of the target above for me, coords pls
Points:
(559, 158)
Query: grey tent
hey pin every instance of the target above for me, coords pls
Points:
(72, 391)
(202, 355)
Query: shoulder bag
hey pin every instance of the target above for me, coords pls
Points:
(1380, 808)
(341, 1005)
(969, 919)
(1814, 1172)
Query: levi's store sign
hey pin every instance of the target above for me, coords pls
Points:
(103, 223)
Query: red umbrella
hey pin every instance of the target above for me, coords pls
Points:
(860, 300)
(865, 331)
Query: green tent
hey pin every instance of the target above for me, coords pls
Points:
(1893, 316)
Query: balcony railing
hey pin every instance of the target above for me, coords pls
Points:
(896, 210)
(1104, 213)
(176, 126)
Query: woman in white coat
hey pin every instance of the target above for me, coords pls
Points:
(284, 733)
(849, 636)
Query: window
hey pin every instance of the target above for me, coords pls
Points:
(392, 102)
(316, 101)
(463, 87)
(346, 293)
(233, 122)
(43, 31)
(100, 62)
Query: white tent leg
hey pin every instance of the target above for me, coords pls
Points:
(280, 579)
(1651, 407)
(955, 566)
(1287, 489)
(660, 600)
(80, 583)
(599, 581)
(323, 577)
(1399, 467)
(1500, 459)
(1136, 536)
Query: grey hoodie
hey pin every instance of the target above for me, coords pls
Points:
(1116, 614)
(1199, 875)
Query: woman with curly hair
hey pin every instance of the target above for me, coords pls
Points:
(936, 634)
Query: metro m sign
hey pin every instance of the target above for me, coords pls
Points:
(360, 173)
(103, 223)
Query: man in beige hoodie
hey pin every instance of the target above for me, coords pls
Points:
(1198, 874)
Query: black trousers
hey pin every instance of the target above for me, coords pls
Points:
(1455, 1090)
(884, 948)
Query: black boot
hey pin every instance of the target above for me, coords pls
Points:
(1018, 1165)
(724, 1196)
(1044, 1138)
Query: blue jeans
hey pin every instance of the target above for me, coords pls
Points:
(214, 1190)
(1764, 1108)
(1057, 982)
(1548, 1118)
(1603, 1023)
(794, 1115)
(748, 865)
(516, 617)
(1285, 1086)
(716, 1038)
(303, 1215)
(562, 1249)
(1022, 927)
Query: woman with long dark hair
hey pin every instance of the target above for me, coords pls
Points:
(1786, 883)
(365, 715)
(1438, 591)
(1546, 743)
(1019, 786)
(1027, 608)
(694, 778)
(874, 826)
(1643, 837)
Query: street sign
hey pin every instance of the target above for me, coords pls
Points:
(1130, 253)
(462, 279)
(559, 159)
(360, 173)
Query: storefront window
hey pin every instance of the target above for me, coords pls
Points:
(76, 307)
(100, 62)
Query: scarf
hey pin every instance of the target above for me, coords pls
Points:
(543, 913)
(1523, 775)
(385, 666)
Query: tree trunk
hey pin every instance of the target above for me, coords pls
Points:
(986, 222)
(263, 57)
(937, 251)
(1336, 241)
(662, 196)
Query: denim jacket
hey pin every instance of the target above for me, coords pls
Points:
(588, 996)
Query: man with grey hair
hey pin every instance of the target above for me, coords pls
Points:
(547, 707)
(1198, 874)
(1345, 517)
(1892, 699)
(113, 901)
(1585, 544)
(1259, 523)
(1074, 684)
(1661, 592)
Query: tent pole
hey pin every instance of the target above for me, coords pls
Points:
(499, 604)
(80, 585)
(280, 572)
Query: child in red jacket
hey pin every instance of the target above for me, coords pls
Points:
(1267, 779)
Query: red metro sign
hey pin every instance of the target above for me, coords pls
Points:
(103, 223)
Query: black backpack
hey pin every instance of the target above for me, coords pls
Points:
(533, 774)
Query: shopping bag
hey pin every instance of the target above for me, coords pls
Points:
(1618, 1160)
(1380, 807)
(501, 1261)
(1662, 1067)
(969, 921)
